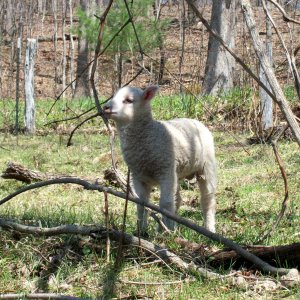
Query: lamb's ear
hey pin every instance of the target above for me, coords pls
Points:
(150, 92)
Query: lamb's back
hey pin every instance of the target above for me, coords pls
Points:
(160, 147)
(193, 145)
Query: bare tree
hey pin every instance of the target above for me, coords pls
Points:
(63, 31)
(71, 47)
(82, 88)
(220, 64)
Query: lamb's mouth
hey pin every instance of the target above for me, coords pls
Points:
(108, 113)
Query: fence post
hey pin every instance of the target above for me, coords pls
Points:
(29, 86)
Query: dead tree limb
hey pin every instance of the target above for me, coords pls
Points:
(280, 254)
(101, 232)
(263, 266)
(19, 172)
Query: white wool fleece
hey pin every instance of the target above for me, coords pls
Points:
(163, 152)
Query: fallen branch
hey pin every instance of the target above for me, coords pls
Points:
(101, 232)
(39, 296)
(263, 266)
(280, 254)
(19, 172)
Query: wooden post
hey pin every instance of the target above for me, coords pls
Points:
(29, 86)
(18, 57)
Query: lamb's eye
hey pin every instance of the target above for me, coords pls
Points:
(127, 100)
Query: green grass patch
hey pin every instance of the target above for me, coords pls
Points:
(250, 193)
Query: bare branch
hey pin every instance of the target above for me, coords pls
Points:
(283, 12)
(265, 267)
(69, 143)
(286, 194)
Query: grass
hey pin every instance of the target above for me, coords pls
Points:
(250, 193)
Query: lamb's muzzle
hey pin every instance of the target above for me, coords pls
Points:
(163, 152)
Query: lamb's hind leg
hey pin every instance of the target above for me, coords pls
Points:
(178, 198)
(208, 201)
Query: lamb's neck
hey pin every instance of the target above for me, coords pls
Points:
(136, 131)
(137, 125)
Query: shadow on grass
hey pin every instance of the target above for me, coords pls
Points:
(57, 255)
(110, 280)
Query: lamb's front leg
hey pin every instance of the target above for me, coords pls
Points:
(143, 192)
(168, 189)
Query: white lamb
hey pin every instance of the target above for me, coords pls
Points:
(163, 153)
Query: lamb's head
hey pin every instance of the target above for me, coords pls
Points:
(128, 103)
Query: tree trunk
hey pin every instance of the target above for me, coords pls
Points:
(82, 88)
(220, 64)
(9, 19)
(266, 101)
(54, 11)
(263, 59)
(71, 49)
(64, 59)
(29, 86)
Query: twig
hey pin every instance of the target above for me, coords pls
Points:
(119, 258)
(134, 29)
(69, 143)
(150, 263)
(84, 113)
(70, 118)
(160, 222)
(96, 56)
(39, 296)
(199, 229)
(107, 227)
(284, 14)
(286, 194)
(155, 283)
(278, 95)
